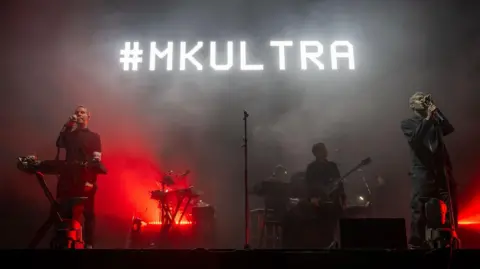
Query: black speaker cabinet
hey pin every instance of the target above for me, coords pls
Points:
(203, 219)
(373, 233)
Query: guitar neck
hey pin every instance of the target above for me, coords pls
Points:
(341, 179)
(350, 172)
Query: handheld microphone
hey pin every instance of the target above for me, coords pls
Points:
(439, 115)
(71, 121)
(73, 118)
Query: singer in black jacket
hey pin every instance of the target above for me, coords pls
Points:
(80, 145)
(431, 170)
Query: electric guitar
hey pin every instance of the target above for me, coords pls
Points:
(330, 189)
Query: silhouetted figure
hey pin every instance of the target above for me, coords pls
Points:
(312, 223)
(431, 170)
(80, 145)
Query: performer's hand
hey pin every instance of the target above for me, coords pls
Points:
(427, 100)
(431, 111)
(88, 186)
(32, 157)
(97, 156)
(71, 121)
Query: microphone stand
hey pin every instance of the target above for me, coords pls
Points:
(245, 155)
(440, 118)
(367, 187)
(452, 218)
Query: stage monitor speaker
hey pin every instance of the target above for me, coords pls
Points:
(203, 219)
(370, 233)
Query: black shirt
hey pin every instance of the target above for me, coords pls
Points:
(320, 175)
(430, 159)
(79, 145)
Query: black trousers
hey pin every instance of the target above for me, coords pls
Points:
(420, 196)
(89, 223)
(88, 213)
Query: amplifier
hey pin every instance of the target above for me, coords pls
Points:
(203, 214)
(373, 233)
(203, 220)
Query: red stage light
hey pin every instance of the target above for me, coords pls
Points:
(186, 220)
(469, 216)
(183, 222)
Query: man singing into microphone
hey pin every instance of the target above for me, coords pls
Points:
(80, 145)
(431, 170)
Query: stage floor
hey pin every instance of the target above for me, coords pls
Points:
(136, 259)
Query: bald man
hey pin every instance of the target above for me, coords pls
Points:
(80, 144)
(431, 171)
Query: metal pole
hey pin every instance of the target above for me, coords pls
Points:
(247, 209)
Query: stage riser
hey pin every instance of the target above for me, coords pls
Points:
(181, 237)
(240, 259)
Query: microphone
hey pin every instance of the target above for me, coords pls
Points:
(439, 115)
(71, 121)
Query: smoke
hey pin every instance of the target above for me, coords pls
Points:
(153, 122)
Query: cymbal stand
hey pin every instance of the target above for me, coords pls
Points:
(367, 187)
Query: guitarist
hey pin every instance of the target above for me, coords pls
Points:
(326, 197)
(320, 177)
